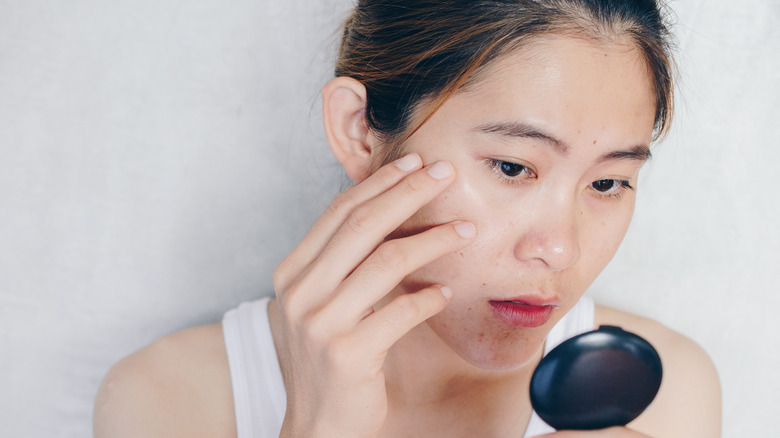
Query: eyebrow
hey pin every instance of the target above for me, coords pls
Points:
(640, 152)
(523, 130)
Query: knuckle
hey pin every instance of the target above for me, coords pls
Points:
(343, 203)
(415, 185)
(314, 328)
(291, 301)
(390, 256)
(361, 220)
(408, 309)
(340, 354)
(280, 277)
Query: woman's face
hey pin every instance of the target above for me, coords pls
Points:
(546, 147)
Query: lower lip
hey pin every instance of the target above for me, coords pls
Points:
(520, 314)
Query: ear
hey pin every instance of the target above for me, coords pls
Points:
(343, 114)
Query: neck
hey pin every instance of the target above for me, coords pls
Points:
(434, 391)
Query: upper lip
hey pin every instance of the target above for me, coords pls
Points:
(534, 299)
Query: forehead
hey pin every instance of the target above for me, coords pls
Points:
(570, 86)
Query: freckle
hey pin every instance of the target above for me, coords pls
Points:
(484, 284)
(469, 308)
(594, 141)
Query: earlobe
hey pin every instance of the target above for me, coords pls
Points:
(343, 114)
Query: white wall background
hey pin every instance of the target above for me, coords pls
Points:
(159, 157)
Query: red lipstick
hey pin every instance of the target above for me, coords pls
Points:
(523, 312)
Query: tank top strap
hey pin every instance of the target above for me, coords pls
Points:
(580, 319)
(259, 396)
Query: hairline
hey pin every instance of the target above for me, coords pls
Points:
(520, 43)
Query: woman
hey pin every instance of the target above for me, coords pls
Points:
(496, 147)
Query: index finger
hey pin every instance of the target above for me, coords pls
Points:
(334, 216)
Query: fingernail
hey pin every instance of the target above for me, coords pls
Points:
(408, 162)
(466, 230)
(447, 292)
(440, 170)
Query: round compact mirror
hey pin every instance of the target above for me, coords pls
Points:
(598, 379)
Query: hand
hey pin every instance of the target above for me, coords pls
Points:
(333, 343)
(612, 432)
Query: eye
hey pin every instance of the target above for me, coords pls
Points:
(509, 171)
(610, 187)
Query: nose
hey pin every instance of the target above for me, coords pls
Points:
(552, 241)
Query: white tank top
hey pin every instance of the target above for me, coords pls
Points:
(258, 390)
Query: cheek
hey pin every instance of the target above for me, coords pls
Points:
(603, 232)
(454, 269)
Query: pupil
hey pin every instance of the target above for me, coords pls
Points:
(511, 169)
(603, 185)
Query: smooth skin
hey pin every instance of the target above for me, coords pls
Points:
(523, 184)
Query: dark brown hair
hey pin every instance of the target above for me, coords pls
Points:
(413, 55)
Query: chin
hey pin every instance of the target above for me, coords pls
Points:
(499, 349)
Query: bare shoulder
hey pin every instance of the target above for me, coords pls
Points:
(177, 386)
(689, 401)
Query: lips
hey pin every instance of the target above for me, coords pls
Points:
(526, 312)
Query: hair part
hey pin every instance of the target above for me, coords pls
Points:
(413, 55)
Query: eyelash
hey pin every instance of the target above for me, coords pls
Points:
(619, 186)
(496, 165)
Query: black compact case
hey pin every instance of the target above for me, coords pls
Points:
(598, 379)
